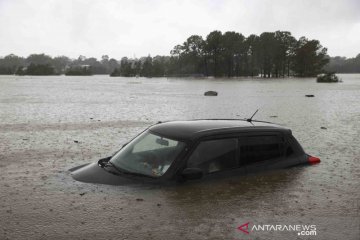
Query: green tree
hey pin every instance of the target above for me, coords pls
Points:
(10, 63)
(159, 66)
(60, 63)
(267, 50)
(113, 64)
(84, 70)
(147, 67)
(253, 53)
(214, 48)
(343, 65)
(39, 70)
(39, 59)
(126, 69)
(193, 55)
(310, 58)
(233, 52)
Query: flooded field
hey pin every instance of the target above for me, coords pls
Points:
(42, 117)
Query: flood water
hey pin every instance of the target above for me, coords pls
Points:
(41, 117)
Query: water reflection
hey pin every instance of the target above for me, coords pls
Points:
(249, 191)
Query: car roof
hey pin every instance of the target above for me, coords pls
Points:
(192, 129)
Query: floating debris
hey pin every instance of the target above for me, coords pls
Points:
(76, 141)
(139, 199)
(323, 128)
(309, 95)
(82, 194)
(210, 93)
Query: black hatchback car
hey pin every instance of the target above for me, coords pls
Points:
(187, 150)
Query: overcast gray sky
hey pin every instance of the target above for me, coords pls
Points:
(138, 27)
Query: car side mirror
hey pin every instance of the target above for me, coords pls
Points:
(103, 161)
(192, 173)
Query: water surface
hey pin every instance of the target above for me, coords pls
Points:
(41, 117)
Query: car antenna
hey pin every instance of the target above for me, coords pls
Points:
(250, 119)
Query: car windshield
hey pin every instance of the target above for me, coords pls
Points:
(148, 154)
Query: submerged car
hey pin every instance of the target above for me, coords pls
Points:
(177, 151)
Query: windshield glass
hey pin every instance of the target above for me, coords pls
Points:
(148, 154)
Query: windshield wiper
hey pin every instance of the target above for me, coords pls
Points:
(105, 162)
(123, 171)
(108, 164)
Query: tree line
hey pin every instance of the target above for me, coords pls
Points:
(344, 65)
(42, 64)
(271, 54)
(230, 54)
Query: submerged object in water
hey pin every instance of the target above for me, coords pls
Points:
(327, 78)
(210, 93)
(178, 151)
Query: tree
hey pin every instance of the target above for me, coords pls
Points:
(159, 66)
(84, 70)
(112, 65)
(39, 59)
(267, 51)
(252, 47)
(96, 66)
(213, 48)
(343, 65)
(10, 63)
(105, 63)
(284, 48)
(126, 68)
(272, 54)
(310, 58)
(147, 67)
(233, 52)
(40, 69)
(60, 63)
(194, 55)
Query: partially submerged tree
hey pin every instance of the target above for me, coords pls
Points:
(310, 58)
(271, 54)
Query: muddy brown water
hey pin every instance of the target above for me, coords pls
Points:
(41, 117)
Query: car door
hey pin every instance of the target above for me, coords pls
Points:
(216, 157)
(262, 151)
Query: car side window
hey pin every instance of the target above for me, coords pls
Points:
(260, 148)
(214, 155)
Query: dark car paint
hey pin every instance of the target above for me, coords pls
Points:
(93, 173)
(194, 134)
(195, 129)
(298, 157)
